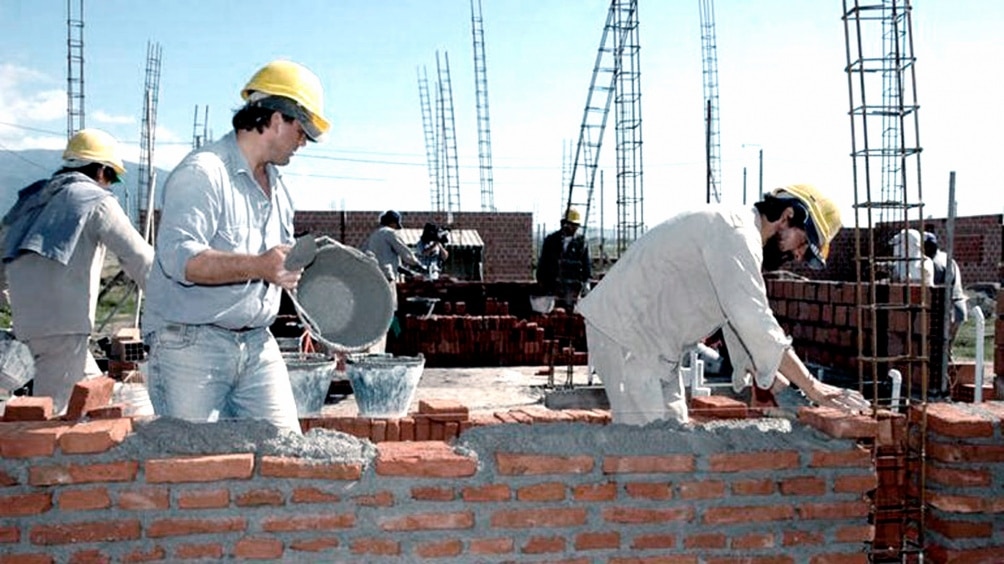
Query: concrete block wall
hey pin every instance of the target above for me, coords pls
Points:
(508, 236)
(117, 491)
(965, 482)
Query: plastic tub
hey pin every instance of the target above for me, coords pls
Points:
(384, 386)
(310, 375)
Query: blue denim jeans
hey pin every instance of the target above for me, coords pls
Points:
(207, 373)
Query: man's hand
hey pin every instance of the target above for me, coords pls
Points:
(274, 268)
(826, 395)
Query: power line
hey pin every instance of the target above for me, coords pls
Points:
(16, 154)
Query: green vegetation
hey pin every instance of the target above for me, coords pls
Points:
(965, 341)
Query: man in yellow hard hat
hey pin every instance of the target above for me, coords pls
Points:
(564, 267)
(691, 275)
(54, 244)
(226, 227)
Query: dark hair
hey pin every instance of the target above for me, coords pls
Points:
(390, 217)
(93, 171)
(253, 116)
(430, 233)
(772, 207)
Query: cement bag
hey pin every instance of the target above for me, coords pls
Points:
(17, 365)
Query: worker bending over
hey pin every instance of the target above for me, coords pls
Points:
(691, 275)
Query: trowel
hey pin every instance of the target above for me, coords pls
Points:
(302, 253)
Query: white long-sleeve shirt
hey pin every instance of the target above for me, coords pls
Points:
(684, 279)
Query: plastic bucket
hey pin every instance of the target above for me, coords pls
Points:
(310, 375)
(383, 385)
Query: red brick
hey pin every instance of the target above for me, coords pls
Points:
(801, 538)
(314, 495)
(429, 521)
(704, 540)
(653, 541)
(834, 510)
(753, 541)
(753, 487)
(855, 484)
(702, 490)
(803, 485)
(491, 546)
(193, 551)
(51, 475)
(173, 527)
(443, 410)
(439, 549)
(549, 491)
(258, 548)
(287, 467)
(28, 408)
(649, 490)
(204, 499)
(954, 421)
(427, 459)
(595, 492)
(89, 394)
(116, 411)
(89, 556)
(753, 461)
(30, 439)
(260, 498)
(21, 505)
(378, 499)
(200, 468)
(543, 545)
(838, 423)
(597, 540)
(854, 457)
(145, 499)
(145, 555)
(433, 494)
(721, 407)
(94, 436)
(376, 547)
(322, 522)
(732, 515)
(535, 464)
(9, 534)
(87, 531)
(84, 499)
(541, 517)
(650, 464)
(638, 515)
(959, 503)
(317, 544)
(855, 533)
(7, 480)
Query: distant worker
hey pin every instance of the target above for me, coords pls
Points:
(225, 230)
(911, 264)
(939, 259)
(432, 251)
(691, 275)
(389, 249)
(55, 239)
(564, 267)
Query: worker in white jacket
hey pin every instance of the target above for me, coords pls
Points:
(695, 273)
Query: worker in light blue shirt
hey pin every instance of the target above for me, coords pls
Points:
(225, 230)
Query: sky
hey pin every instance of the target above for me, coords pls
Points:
(782, 91)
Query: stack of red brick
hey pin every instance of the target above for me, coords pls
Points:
(90, 399)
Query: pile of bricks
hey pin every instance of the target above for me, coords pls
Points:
(90, 399)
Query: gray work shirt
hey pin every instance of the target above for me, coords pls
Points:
(390, 251)
(211, 201)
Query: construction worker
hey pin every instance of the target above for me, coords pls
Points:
(941, 269)
(54, 244)
(691, 275)
(564, 267)
(226, 227)
(389, 249)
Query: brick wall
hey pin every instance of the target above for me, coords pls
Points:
(562, 491)
(508, 236)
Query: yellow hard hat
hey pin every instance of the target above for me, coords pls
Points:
(572, 216)
(295, 82)
(823, 219)
(93, 146)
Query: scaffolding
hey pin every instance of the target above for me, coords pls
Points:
(431, 141)
(449, 163)
(712, 138)
(880, 58)
(148, 132)
(616, 69)
(484, 124)
(74, 67)
(200, 129)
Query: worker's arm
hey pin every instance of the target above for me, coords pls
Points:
(115, 231)
(794, 372)
(213, 267)
(402, 250)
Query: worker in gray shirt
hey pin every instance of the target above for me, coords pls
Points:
(389, 250)
(225, 230)
(54, 244)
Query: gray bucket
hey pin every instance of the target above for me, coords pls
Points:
(310, 375)
(17, 364)
(384, 385)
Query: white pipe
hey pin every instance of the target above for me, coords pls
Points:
(980, 337)
(897, 385)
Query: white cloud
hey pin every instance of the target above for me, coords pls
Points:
(101, 116)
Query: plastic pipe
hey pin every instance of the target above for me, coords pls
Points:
(981, 327)
(897, 385)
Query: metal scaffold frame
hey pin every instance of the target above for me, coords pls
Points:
(449, 162)
(713, 151)
(616, 70)
(430, 131)
(74, 68)
(484, 123)
(148, 132)
(880, 58)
